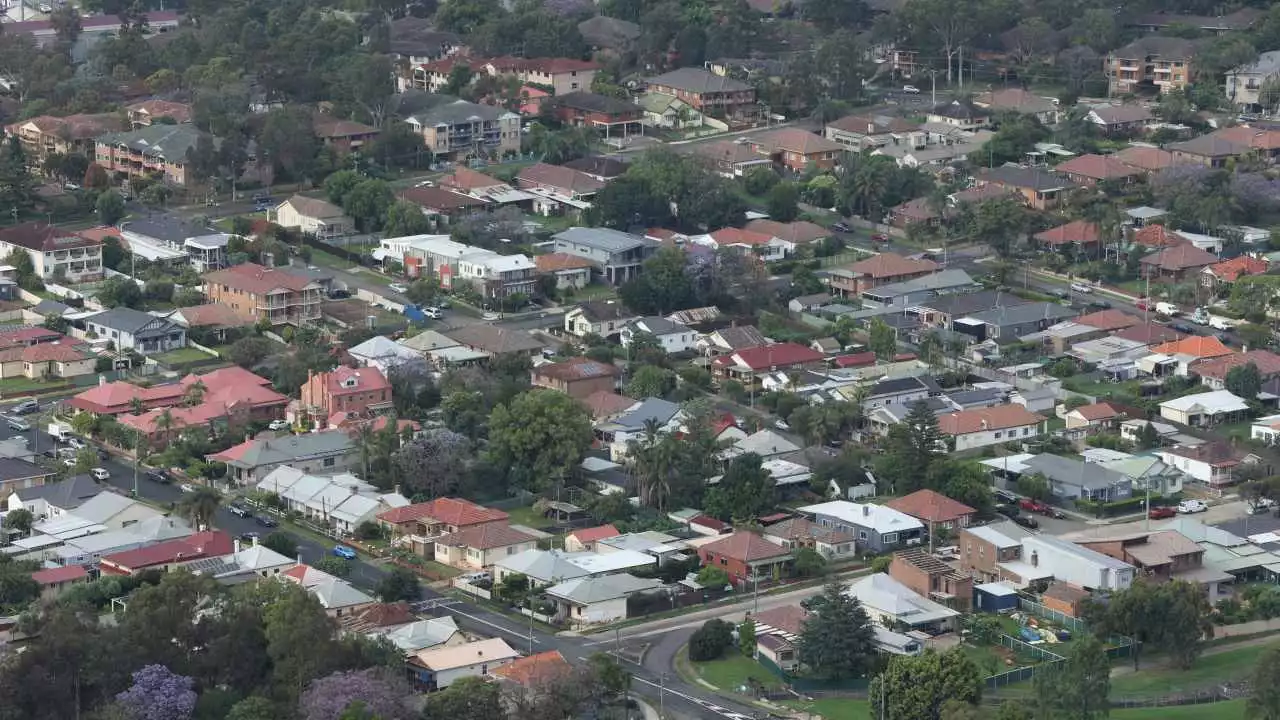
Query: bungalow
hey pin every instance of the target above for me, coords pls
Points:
(727, 158)
(1213, 371)
(914, 212)
(585, 540)
(1091, 169)
(1210, 151)
(960, 115)
(1009, 324)
(606, 319)
(169, 555)
(570, 271)
(1019, 101)
(1177, 263)
(877, 528)
(130, 329)
(863, 132)
(799, 233)
(1048, 556)
(1076, 236)
(1100, 416)
(1205, 409)
(735, 337)
(558, 190)
(1213, 462)
(55, 581)
(766, 247)
(970, 429)
(797, 533)
(1226, 272)
(1146, 158)
(618, 432)
(935, 510)
(578, 377)
(313, 216)
(438, 668)
(479, 546)
(1119, 119)
(894, 605)
(595, 600)
(672, 337)
(748, 364)
(1039, 189)
(441, 205)
(1186, 352)
(746, 557)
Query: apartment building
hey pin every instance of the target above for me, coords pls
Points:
(47, 135)
(1244, 83)
(708, 93)
(258, 293)
(563, 75)
(55, 253)
(1163, 62)
(460, 130)
(147, 151)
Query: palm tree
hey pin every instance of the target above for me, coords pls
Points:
(195, 393)
(655, 458)
(135, 405)
(199, 506)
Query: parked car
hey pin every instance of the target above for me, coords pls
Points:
(443, 303)
(433, 313)
(159, 476)
(76, 443)
(911, 89)
(344, 552)
(1005, 496)
(1034, 506)
(397, 287)
(1081, 287)
(248, 537)
(1026, 521)
(26, 407)
(1099, 304)
(1009, 511)
(99, 474)
(841, 227)
(1183, 328)
(1161, 513)
(239, 510)
(187, 488)
(1192, 506)
(278, 425)
(880, 238)
(266, 521)
(1061, 294)
(17, 425)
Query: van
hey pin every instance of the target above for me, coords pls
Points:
(1081, 288)
(1169, 309)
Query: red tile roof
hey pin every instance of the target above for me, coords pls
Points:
(1201, 346)
(468, 179)
(1230, 270)
(1150, 333)
(558, 178)
(1157, 236)
(56, 575)
(578, 368)
(765, 357)
(535, 669)
(1098, 411)
(366, 379)
(449, 511)
(1096, 167)
(890, 265)
(603, 403)
(44, 237)
(930, 506)
(1149, 159)
(1267, 362)
(1001, 417)
(486, 537)
(737, 236)
(555, 262)
(1076, 231)
(55, 352)
(258, 280)
(590, 535)
(225, 387)
(799, 232)
(1109, 320)
(1179, 258)
(213, 315)
(211, 543)
(180, 112)
(786, 618)
(745, 547)
(856, 360)
(440, 199)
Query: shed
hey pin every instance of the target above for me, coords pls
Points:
(995, 597)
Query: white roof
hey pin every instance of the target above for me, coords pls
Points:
(355, 508)
(422, 634)
(763, 443)
(104, 506)
(999, 589)
(507, 263)
(331, 591)
(461, 656)
(307, 487)
(67, 526)
(1009, 463)
(101, 543)
(259, 557)
(379, 348)
(604, 563)
(543, 565)
(1000, 535)
(280, 479)
(211, 241)
(877, 517)
(1102, 455)
(1217, 401)
(890, 597)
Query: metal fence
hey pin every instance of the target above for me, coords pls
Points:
(1034, 608)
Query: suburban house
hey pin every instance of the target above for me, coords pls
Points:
(1213, 371)
(558, 190)
(344, 136)
(673, 337)
(329, 398)
(748, 365)
(929, 577)
(563, 75)
(935, 510)
(492, 341)
(1048, 556)
(338, 597)
(55, 581)
(152, 150)
(970, 429)
(1119, 119)
(331, 451)
(1099, 417)
(1072, 479)
(796, 150)
(62, 359)
(617, 432)
(1162, 62)
(1010, 323)
(1019, 101)
(891, 603)
(441, 205)
(900, 391)
(313, 216)
(611, 116)
(1189, 351)
(1161, 556)
(168, 555)
(729, 159)
(877, 528)
(595, 600)
(47, 135)
(261, 293)
(959, 115)
(1211, 151)
(706, 92)
(746, 557)
(438, 668)
(489, 273)
(586, 540)
(420, 524)
(479, 546)
(456, 129)
(863, 132)
(606, 319)
(1040, 189)
(1244, 83)
(1091, 169)
(797, 233)
(796, 533)
(147, 112)
(1177, 262)
(1076, 236)
(617, 256)
(130, 329)
(1214, 462)
(940, 312)
(1205, 409)
(1228, 271)
(912, 292)
(167, 238)
(753, 244)
(881, 269)
(55, 254)
(734, 337)
(984, 548)
(576, 377)
(570, 271)
(53, 500)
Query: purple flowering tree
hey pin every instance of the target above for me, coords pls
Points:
(565, 8)
(1255, 192)
(382, 694)
(158, 694)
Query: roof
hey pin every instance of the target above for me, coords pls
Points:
(1149, 333)
(332, 592)
(441, 199)
(259, 280)
(579, 368)
(1098, 411)
(212, 315)
(169, 142)
(444, 110)
(1156, 46)
(763, 442)
(729, 236)
(588, 590)
(880, 518)
(786, 618)
(883, 593)
(916, 209)
(536, 669)
(211, 543)
(874, 124)
(1108, 320)
(1003, 534)
(589, 535)
(560, 178)
(464, 178)
(607, 32)
(155, 107)
(557, 262)
(450, 511)
(1096, 167)
(494, 340)
(1201, 346)
(794, 140)
(746, 547)
(639, 414)
(1158, 236)
(1231, 270)
(1122, 114)
(600, 311)
(740, 337)
(271, 451)
(1016, 99)
(593, 102)
(890, 265)
(798, 528)
(959, 110)
(658, 326)
(53, 576)
(951, 278)
(44, 237)
(1180, 257)
(604, 404)
(930, 506)
(1001, 417)
(766, 357)
(961, 304)
(65, 494)
(606, 239)
(1019, 314)
(1216, 401)
(461, 656)
(72, 127)
(1066, 592)
(1210, 146)
(1069, 471)
(1020, 177)
(698, 81)
(486, 537)
(543, 565)
(799, 232)
(1267, 362)
(327, 126)
(1150, 159)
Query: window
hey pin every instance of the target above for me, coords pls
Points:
(724, 561)
(862, 535)
(998, 434)
(889, 538)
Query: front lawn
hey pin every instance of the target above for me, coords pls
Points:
(731, 673)
(9, 386)
(1209, 670)
(184, 356)
(837, 708)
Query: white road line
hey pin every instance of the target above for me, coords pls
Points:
(697, 701)
(524, 636)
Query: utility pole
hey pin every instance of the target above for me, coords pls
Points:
(960, 69)
(662, 695)
(137, 436)
(933, 90)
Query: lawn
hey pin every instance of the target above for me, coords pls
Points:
(9, 386)
(1208, 671)
(526, 516)
(184, 356)
(1231, 710)
(1102, 388)
(837, 708)
(731, 672)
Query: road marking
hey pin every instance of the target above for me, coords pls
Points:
(521, 635)
(723, 712)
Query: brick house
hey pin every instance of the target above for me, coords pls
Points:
(747, 364)
(796, 150)
(146, 112)
(707, 92)
(882, 269)
(344, 136)
(422, 523)
(990, 426)
(1162, 556)
(1177, 262)
(587, 109)
(1040, 189)
(929, 577)
(745, 555)
(935, 510)
(1091, 169)
(983, 548)
(47, 135)
(576, 377)
(258, 293)
(54, 252)
(914, 212)
(330, 397)
(1077, 236)
(480, 546)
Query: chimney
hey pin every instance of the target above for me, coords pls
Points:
(102, 380)
(1035, 559)
(866, 510)
(255, 541)
(236, 546)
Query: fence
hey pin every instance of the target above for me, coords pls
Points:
(1118, 646)
(466, 587)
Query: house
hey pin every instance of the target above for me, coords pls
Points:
(912, 292)
(341, 500)
(618, 432)
(571, 272)
(936, 148)
(605, 406)
(130, 329)
(1109, 320)
(927, 576)
(617, 256)
(251, 461)
(1072, 479)
(55, 581)
(313, 216)
(455, 129)
(535, 672)
(47, 135)
(53, 500)
(337, 596)
(62, 359)
(672, 337)
(877, 528)
(984, 548)
(260, 293)
(605, 32)
(559, 190)
(1091, 169)
(1047, 556)
(1119, 119)
(383, 353)
(596, 600)
(162, 150)
(1146, 158)
(747, 365)
(417, 40)
(1019, 101)
(746, 557)
(495, 341)
(422, 523)
(605, 319)
(209, 320)
(796, 150)
(1214, 462)
(577, 377)
(1101, 416)
(809, 304)
(563, 75)
(18, 475)
(1189, 351)
(1228, 271)
(1244, 83)
(1160, 556)
(959, 115)
(797, 234)
(935, 510)
(735, 337)
(343, 136)
(327, 398)
(796, 533)
(147, 112)
(441, 205)
(882, 269)
(1076, 237)
(1009, 324)
(970, 429)
(1178, 262)
(1149, 334)
(940, 312)
(863, 132)
(1205, 409)
(167, 238)
(764, 442)
(1213, 371)
(729, 159)
(585, 540)
(479, 547)
(56, 255)
(900, 391)
(668, 111)
(548, 567)
(453, 264)
(893, 604)
(706, 92)
(167, 556)
(93, 27)
(1040, 189)
(1162, 62)
(753, 244)
(1211, 151)
(600, 167)
(438, 668)
(610, 116)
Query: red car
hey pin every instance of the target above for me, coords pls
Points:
(1034, 506)
(879, 237)
(1161, 513)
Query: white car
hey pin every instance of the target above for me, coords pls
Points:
(187, 488)
(911, 89)
(278, 425)
(76, 443)
(397, 287)
(69, 462)
(99, 474)
(781, 424)
(1192, 506)
(490, 316)
(1081, 288)
(433, 313)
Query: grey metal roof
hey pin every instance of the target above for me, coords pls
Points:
(697, 80)
(14, 469)
(656, 409)
(281, 450)
(1018, 314)
(65, 494)
(171, 142)
(659, 326)
(607, 239)
(1016, 176)
(587, 590)
(965, 303)
(167, 228)
(903, 384)
(936, 281)
(457, 111)
(1067, 471)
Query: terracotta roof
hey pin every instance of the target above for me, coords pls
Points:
(930, 506)
(767, 356)
(1231, 270)
(366, 379)
(55, 352)
(1108, 320)
(1267, 362)
(1096, 167)
(794, 140)
(1098, 411)
(535, 669)
(211, 543)
(29, 336)
(1066, 592)
(1150, 159)
(590, 535)
(450, 511)
(52, 576)
(258, 280)
(1150, 333)
(798, 528)
(1016, 99)
(1000, 417)
(855, 360)
(745, 546)
(709, 522)
(43, 237)
(381, 615)
(75, 127)
(1217, 453)
(799, 232)
(1179, 258)
(1157, 236)
(468, 179)
(737, 236)
(326, 126)
(155, 107)
(603, 404)
(435, 198)
(560, 178)
(1201, 346)
(578, 368)
(486, 537)
(556, 262)
(786, 618)
(1259, 138)
(213, 315)
(889, 265)
(874, 124)
(99, 234)
(1076, 231)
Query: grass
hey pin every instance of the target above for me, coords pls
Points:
(21, 384)
(837, 708)
(594, 291)
(1230, 710)
(733, 671)
(1208, 670)
(1102, 388)
(526, 516)
(183, 356)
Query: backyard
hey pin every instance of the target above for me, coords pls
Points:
(184, 356)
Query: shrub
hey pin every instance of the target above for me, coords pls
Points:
(710, 641)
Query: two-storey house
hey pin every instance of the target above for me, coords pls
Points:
(706, 92)
(578, 377)
(932, 578)
(1164, 63)
(558, 190)
(883, 269)
(329, 398)
(422, 523)
(611, 116)
(259, 293)
(56, 254)
(984, 548)
(617, 256)
(876, 528)
(606, 319)
(454, 129)
(562, 75)
(130, 329)
(796, 150)
(749, 366)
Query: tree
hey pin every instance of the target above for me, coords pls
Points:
(712, 576)
(19, 520)
(1264, 700)
(336, 566)
(1035, 486)
(1244, 381)
(710, 641)
(468, 698)
(747, 637)
(158, 694)
(254, 708)
(760, 180)
(919, 686)
(1077, 688)
(405, 218)
(399, 584)
(119, 292)
(288, 142)
(300, 640)
(651, 381)
(783, 202)
(911, 448)
(1171, 617)
(745, 491)
(200, 505)
(810, 563)
(538, 437)
(434, 464)
(837, 640)
(379, 692)
(248, 352)
(664, 286)
(110, 207)
(368, 202)
(340, 184)
(281, 543)
(882, 340)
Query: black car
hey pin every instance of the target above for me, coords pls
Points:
(159, 476)
(841, 227)
(239, 510)
(1005, 497)
(1185, 329)
(1100, 305)
(248, 537)
(266, 521)
(103, 454)
(1009, 511)
(1026, 521)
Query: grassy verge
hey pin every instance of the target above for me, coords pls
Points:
(21, 384)
(731, 673)
(1230, 710)
(1208, 671)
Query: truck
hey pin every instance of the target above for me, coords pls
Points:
(1166, 309)
(1217, 322)
(61, 430)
